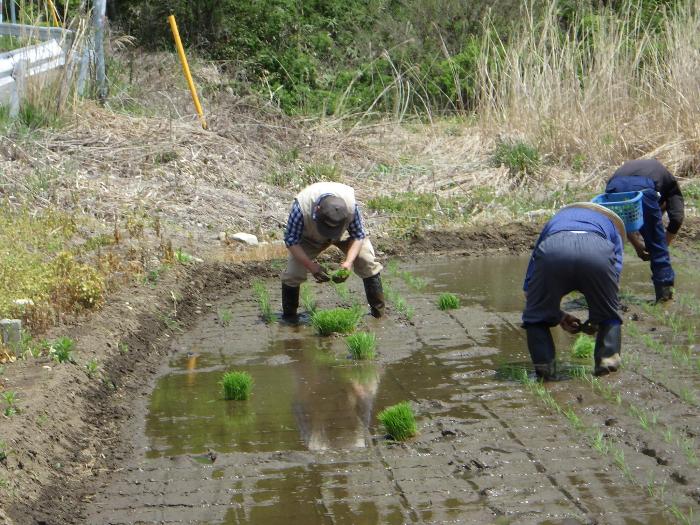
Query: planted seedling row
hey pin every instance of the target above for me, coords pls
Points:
(599, 442)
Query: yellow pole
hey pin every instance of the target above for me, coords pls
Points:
(186, 70)
(54, 13)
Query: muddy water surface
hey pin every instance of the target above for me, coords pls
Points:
(306, 448)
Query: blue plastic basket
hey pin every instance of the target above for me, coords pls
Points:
(627, 205)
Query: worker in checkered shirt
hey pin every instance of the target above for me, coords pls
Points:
(325, 214)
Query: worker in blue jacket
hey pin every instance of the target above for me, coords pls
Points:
(580, 248)
(661, 193)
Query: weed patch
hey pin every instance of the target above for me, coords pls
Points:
(399, 421)
(237, 385)
(519, 157)
(362, 345)
(336, 320)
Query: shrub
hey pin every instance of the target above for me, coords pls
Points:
(237, 385)
(448, 301)
(340, 320)
(399, 421)
(362, 345)
(583, 347)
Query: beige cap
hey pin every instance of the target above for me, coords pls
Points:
(614, 217)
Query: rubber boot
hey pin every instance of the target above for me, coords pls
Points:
(541, 347)
(290, 302)
(375, 295)
(664, 292)
(607, 349)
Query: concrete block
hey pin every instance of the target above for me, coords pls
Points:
(11, 330)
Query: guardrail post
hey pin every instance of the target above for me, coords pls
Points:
(19, 76)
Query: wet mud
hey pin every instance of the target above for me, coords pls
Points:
(307, 448)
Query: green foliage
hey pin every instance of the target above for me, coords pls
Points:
(35, 266)
(448, 301)
(336, 320)
(237, 385)
(583, 347)
(362, 345)
(92, 367)
(10, 398)
(182, 256)
(399, 421)
(61, 350)
(519, 157)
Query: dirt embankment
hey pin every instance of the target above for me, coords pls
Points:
(68, 431)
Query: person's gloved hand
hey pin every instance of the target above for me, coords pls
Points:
(570, 323)
(321, 276)
(319, 273)
(643, 254)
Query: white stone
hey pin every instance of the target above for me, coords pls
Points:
(23, 302)
(222, 236)
(245, 238)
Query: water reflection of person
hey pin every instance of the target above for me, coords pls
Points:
(333, 406)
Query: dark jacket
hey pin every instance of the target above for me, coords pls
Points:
(665, 183)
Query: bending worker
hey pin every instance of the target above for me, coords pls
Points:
(321, 214)
(661, 193)
(580, 248)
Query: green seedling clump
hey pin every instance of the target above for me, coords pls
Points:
(237, 385)
(448, 301)
(362, 345)
(583, 347)
(263, 302)
(340, 320)
(340, 275)
(399, 421)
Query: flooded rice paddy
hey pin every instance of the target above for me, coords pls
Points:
(307, 448)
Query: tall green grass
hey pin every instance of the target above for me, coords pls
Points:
(399, 421)
(237, 385)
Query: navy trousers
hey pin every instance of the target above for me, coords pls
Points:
(652, 231)
(568, 261)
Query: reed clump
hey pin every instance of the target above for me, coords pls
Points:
(448, 301)
(583, 347)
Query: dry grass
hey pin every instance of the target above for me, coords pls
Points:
(607, 96)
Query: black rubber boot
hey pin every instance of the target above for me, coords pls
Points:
(608, 343)
(541, 347)
(375, 295)
(664, 292)
(290, 302)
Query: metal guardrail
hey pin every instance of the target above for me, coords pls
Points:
(19, 65)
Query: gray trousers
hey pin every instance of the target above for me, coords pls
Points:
(564, 262)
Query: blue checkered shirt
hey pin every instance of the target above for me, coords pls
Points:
(295, 225)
